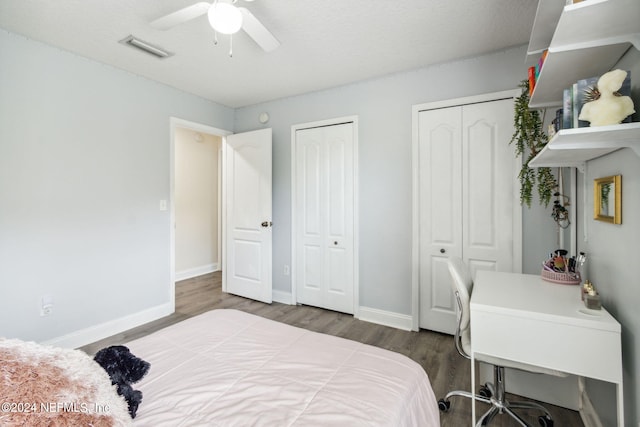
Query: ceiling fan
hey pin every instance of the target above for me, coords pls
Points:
(225, 18)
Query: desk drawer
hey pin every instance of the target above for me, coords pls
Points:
(576, 350)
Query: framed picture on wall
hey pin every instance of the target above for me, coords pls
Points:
(607, 199)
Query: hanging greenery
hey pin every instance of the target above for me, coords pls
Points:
(529, 139)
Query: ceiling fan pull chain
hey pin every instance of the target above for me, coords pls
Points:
(230, 46)
(215, 32)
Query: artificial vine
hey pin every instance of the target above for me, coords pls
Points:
(529, 139)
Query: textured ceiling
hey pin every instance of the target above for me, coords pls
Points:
(324, 43)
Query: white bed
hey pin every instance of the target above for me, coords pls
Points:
(230, 368)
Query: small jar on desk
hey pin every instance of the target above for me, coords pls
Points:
(590, 296)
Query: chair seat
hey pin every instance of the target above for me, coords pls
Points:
(496, 361)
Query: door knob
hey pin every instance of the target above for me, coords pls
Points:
(266, 223)
(442, 251)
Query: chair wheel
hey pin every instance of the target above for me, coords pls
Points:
(545, 421)
(444, 405)
(485, 392)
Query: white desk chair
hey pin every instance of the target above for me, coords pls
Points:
(493, 394)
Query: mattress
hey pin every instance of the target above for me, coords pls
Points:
(230, 368)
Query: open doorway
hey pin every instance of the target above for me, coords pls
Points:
(196, 174)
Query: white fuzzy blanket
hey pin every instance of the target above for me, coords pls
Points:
(47, 386)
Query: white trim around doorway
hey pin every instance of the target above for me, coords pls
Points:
(174, 123)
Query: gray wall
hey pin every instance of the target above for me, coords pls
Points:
(384, 110)
(84, 162)
(613, 262)
(615, 270)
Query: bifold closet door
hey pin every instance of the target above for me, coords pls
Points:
(466, 200)
(440, 213)
(324, 209)
(488, 178)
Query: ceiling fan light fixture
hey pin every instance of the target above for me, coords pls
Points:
(225, 18)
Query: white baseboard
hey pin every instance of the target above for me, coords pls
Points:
(386, 318)
(282, 297)
(588, 413)
(97, 332)
(195, 272)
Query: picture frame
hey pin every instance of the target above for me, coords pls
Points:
(607, 199)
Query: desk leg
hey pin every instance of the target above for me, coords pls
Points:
(473, 387)
(620, 404)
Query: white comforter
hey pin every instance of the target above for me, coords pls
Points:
(230, 368)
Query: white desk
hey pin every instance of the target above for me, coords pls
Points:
(524, 318)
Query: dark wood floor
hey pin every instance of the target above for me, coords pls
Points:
(446, 369)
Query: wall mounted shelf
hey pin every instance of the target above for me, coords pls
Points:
(584, 39)
(544, 25)
(589, 39)
(574, 147)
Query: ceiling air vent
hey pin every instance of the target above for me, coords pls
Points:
(146, 47)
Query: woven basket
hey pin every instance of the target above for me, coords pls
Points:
(562, 278)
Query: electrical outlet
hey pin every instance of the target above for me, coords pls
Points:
(46, 310)
(163, 205)
(46, 305)
(286, 270)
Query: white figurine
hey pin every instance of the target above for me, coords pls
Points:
(609, 109)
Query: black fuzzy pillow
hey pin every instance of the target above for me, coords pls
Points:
(124, 369)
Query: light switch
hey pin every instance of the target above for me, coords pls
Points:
(163, 205)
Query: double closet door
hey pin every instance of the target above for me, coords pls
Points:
(324, 216)
(466, 200)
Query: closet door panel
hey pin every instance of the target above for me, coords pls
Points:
(440, 214)
(309, 197)
(312, 275)
(488, 179)
(337, 283)
(311, 194)
(480, 158)
(442, 154)
(336, 191)
(339, 239)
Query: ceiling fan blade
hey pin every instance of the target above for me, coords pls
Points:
(257, 31)
(181, 16)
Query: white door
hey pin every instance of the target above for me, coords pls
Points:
(247, 215)
(466, 192)
(324, 211)
(440, 194)
(488, 186)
